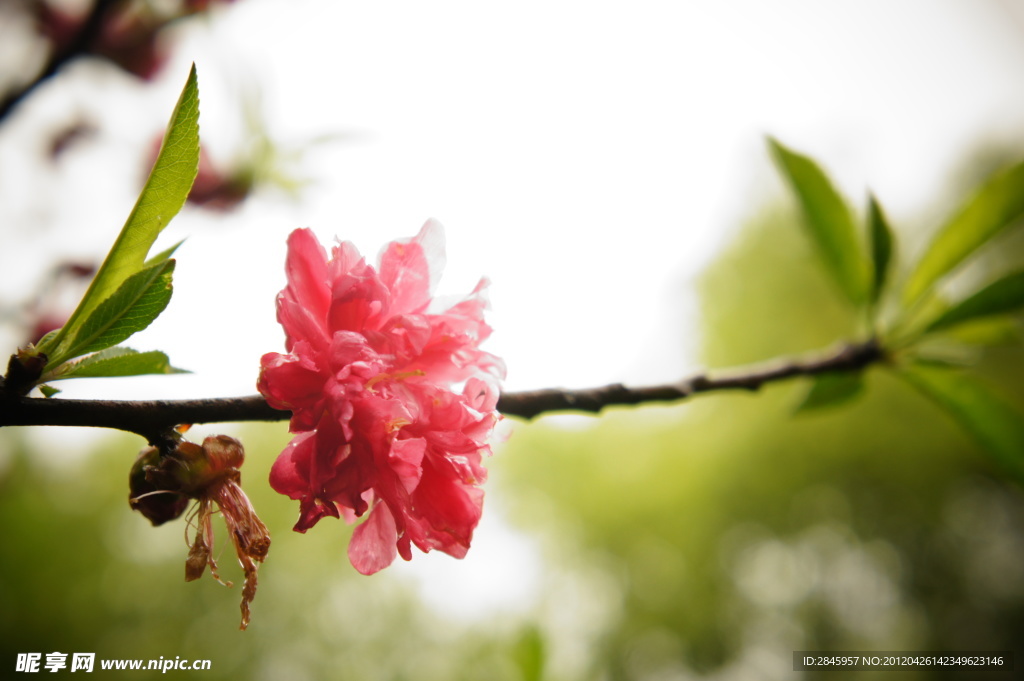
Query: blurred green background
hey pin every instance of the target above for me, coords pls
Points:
(707, 540)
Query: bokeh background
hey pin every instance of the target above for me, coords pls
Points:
(604, 166)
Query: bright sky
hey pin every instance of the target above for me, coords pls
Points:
(588, 158)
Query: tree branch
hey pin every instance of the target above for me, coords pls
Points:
(536, 402)
(153, 418)
(148, 418)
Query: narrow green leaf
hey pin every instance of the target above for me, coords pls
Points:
(45, 340)
(829, 222)
(830, 390)
(882, 242)
(911, 321)
(139, 300)
(998, 203)
(163, 255)
(1002, 295)
(48, 391)
(993, 423)
(119, 361)
(988, 331)
(946, 352)
(162, 197)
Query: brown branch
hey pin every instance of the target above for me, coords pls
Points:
(148, 418)
(153, 419)
(536, 402)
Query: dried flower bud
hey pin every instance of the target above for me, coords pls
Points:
(153, 492)
(162, 484)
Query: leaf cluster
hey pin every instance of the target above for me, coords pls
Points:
(920, 314)
(131, 288)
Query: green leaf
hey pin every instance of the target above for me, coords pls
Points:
(1002, 295)
(162, 197)
(994, 330)
(830, 390)
(133, 307)
(163, 255)
(993, 423)
(828, 220)
(995, 205)
(45, 340)
(945, 352)
(119, 361)
(882, 242)
(48, 391)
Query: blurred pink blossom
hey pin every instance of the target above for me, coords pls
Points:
(392, 399)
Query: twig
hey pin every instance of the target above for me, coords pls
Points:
(536, 402)
(153, 418)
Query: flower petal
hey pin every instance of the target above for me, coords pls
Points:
(292, 383)
(306, 268)
(406, 459)
(410, 268)
(290, 473)
(373, 546)
(303, 304)
(358, 301)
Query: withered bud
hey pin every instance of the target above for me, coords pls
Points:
(162, 484)
(152, 491)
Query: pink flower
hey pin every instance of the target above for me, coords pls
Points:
(392, 399)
